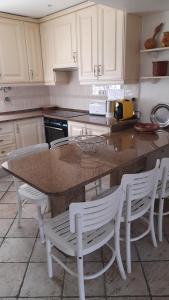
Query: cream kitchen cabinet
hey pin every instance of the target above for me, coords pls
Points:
(34, 55)
(7, 139)
(13, 57)
(77, 128)
(108, 45)
(29, 132)
(65, 41)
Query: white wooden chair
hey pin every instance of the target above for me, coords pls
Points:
(25, 192)
(140, 191)
(163, 194)
(82, 230)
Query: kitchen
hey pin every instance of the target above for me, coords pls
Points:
(55, 61)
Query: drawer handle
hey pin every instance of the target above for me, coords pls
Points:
(1, 141)
(0, 128)
(3, 151)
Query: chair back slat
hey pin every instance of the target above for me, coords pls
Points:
(96, 213)
(61, 142)
(27, 150)
(164, 172)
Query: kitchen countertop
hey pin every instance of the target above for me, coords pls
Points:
(18, 115)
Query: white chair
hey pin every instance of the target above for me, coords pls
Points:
(82, 230)
(163, 194)
(140, 191)
(25, 192)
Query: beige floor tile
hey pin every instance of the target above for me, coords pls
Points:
(8, 211)
(160, 298)
(8, 298)
(39, 253)
(77, 298)
(4, 226)
(129, 298)
(29, 228)
(9, 197)
(166, 225)
(157, 277)
(148, 252)
(93, 287)
(16, 249)
(1, 241)
(37, 283)
(11, 275)
(44, 298)
(134, 285)
(107, 253)
(4, 186)
(1, 194)
(13, 188)
(8, 178)
(29, 211)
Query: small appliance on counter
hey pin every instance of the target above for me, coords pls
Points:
(123, 109)
(97, 107)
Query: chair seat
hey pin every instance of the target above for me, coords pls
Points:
(57, 230)
(27, 191)
(138, 208)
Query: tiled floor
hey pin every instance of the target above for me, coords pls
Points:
(23, 269)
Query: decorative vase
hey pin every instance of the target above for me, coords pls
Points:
(160, 68)
(165, 39)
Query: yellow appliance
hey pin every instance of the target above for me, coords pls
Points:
(123, 109)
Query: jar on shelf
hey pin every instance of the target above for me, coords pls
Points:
(165, 39)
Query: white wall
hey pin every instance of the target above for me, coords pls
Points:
(152, 93)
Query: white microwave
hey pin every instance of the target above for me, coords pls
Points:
(97, 108)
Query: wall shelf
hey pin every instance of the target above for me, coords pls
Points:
(153, 77)
(154, 50)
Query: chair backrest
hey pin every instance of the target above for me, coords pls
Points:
(140, 186)
(164, 173)
(27, 150)
(96, 213)
(61, 142)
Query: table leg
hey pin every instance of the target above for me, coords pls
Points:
(60, 203)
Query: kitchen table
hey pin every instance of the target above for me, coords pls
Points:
(62, 173)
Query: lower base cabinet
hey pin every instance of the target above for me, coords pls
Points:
(77, 128)
(29, 132)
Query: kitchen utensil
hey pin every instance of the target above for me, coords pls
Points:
(160, 115)
(146, 127)
(151, 42)
(160, 68)
(89, 143)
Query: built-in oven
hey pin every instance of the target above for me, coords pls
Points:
(55, 129)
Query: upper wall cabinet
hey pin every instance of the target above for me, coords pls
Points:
(108, 45)
(33, 45)
(13, 58)
(65, 41)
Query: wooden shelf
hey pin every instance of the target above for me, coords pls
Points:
(154, 50)
(153, 77)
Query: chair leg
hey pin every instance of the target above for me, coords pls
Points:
(49, 258)
(81, 278)
(128, 246)
(160, 219)
(153, 236)
(19, 212)
(41, 224)
(118, 256)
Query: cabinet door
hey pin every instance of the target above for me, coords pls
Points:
(48, 50)
(96, 130)
(29, 132)
(110, 37)
(65, 41)
(13, 58)
(87, 44)
(75, 129)
(33, 45)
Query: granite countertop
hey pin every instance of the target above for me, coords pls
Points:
(18, 115)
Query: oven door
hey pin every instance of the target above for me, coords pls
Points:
(53, 133)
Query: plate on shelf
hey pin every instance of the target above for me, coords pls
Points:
(146, 127)
(160, 115)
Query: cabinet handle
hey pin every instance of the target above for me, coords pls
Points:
(1, 141)
(100, 70)
(3, 151)
(31, 74)
(95, 70)
(74, 57)
(17, 128)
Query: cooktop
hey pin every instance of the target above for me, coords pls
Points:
(68, 114)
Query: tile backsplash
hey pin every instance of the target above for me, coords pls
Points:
(25, 97)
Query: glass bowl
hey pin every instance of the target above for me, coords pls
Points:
(89, 143)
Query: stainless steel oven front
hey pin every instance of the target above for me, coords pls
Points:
(55, 129)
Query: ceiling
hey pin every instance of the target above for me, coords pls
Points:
(138, 6)
(35, 8)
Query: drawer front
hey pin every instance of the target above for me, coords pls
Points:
(4, 150)
(7, 139)
(6, 127)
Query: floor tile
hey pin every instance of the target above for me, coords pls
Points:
(29, 228)
(13, 188)
(44, 298)
(1, 194)
(91, 298)
(4, 186)
(11, 275)
(39, 253)
(129, 298)
(160, 298)
(93, 287)
(8, 211)
(29, 211)
(37, 283)
(16, 249)
(157, 277)
(148, 252)
(1, 241)
(166, 225)
(9, 197)
(134, 285)
(4, 226)
(8, 178)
